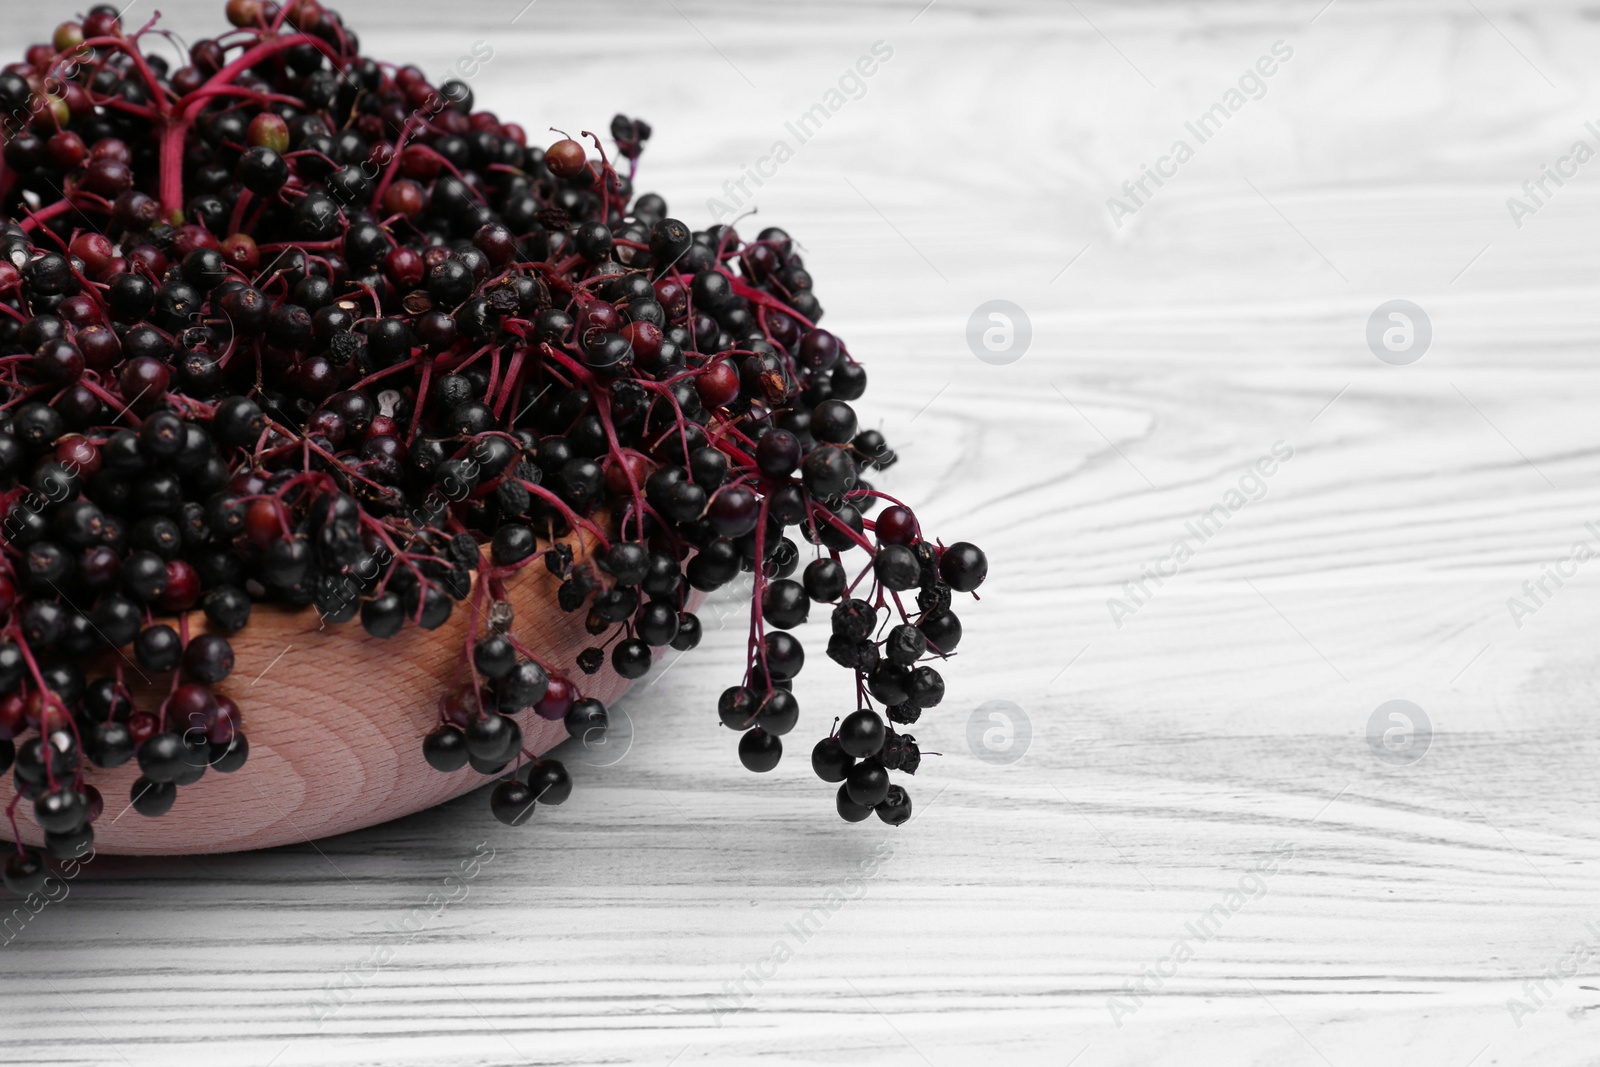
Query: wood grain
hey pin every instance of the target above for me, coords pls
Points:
(1169, 756)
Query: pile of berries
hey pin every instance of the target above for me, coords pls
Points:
(290, 325)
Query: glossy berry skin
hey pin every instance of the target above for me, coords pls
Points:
(110, 744)
(689, 632)
(225, 758)
(492, 737)
(631, 658)
(760, 751)
(848, 809)
(586, 720)
(163, 758)
(862, 734)
(896, 567)
(445, 749)
(152, 799)
(831, 762)
(824, 580)
(25, 872)
(777, 712)
(494, 657)
(208, 658)
(512, 802)
(895, 807)
(61, 811)
(964, 566)
(867, 783)
(549, 781)
(784, 604)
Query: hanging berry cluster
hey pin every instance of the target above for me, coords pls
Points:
(291, 325)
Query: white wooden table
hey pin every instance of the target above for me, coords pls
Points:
(1226, 718)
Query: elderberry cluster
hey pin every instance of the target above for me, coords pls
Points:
(288, 325)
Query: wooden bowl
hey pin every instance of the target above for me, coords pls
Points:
(335, 719)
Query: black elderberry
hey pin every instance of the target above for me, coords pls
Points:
(494, 656)
(586, 719)
(512, 802)
(830, 761)
(848, 809)
(867, 783)
(110, 744)
(964, 566)
(208, 658)
(25, 872)
(689, 632)
(493, 737)
(549, 782)
(445, 749)
(163, 757)
(225, 757)
(896, 567)
(657, 624)
(862, 734)
(384, 615)
(895, 807)
(777, 712)
(158, 648)
(62, 810)
(524, 686)
(759, 750)
(152, 799)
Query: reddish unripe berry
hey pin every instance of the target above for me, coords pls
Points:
(241, 252)
(557, 700)
(94, 249)
(244, 13)
(673, 296)
(226, 722)
(191, 707)
(109, 178)
(80, 310)
(144, 382)
(645, 339)
(68, 36)
(39, 57)
(186, 80)
(598, 317)
(404, 197)
(264, 521)
(268, 131)
(514, 132)
(101, 348)
(12, 720)
(78, 101)
(66, 150)
(207, 56)
(565, 158)
(420, 162)
(405, 267)
(616, 474)
(896, 526)
(143, 726)
(191, 237)
(183, 587)
(78, 452)
(100, 23)
(717, 384)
